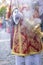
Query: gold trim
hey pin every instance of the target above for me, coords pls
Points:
(20, 54)
(14, 36)
(20, 42)
(38, 30)
(36, 27)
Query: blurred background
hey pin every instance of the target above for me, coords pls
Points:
(6, 58)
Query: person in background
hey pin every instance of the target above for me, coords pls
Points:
(39, 9)
(38, 13)
(41, 12)
(24, 45)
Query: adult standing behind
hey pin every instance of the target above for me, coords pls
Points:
(41, 12)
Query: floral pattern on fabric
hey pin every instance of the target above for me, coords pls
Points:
(29, 41)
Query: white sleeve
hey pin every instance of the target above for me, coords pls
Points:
(37, 21)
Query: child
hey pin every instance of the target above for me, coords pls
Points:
(26, 42)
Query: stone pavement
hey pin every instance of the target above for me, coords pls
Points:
(10, 59)
(5, 51)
